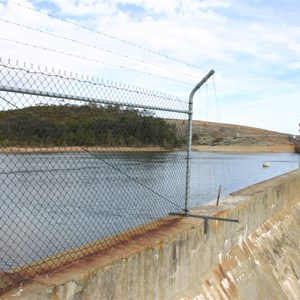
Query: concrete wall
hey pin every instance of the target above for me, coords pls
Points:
(257, 258)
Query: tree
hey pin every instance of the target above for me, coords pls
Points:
(86, 125)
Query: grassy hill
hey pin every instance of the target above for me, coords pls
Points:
(210, 136)
(227, 136)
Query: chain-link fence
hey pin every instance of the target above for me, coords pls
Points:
(81, 161)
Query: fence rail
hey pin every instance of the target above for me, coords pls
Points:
(82, 161)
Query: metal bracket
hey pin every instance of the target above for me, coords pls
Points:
(206, 218)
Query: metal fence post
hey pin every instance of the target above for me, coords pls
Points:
(190, 127)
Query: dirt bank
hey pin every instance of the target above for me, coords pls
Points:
(78, 149)
(246, 149)
(205, 148)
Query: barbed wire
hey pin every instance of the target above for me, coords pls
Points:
(108, 35)
(94, 60)
(96, 82)
(99, 48)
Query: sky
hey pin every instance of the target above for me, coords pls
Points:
(169, 46)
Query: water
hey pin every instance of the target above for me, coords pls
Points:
(234, 171)
(53, 202)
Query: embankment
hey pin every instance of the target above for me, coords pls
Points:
(257, 258)
(79, 149)
(284, 148)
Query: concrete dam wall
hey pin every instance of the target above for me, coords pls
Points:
(257, 258)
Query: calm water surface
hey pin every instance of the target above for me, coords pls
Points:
(234, 172)
(53, 202)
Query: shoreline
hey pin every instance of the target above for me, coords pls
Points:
(202, 148)
(246, 149)
(79, 149)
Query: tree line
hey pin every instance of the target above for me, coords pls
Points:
(86, 125)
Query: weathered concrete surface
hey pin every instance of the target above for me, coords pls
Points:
(257, 258)
(264, 266)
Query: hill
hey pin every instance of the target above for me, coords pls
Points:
(226, 137)
(112, 126)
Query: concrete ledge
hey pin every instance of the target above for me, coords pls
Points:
(162, 264)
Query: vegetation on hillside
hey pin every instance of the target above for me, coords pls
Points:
(220, 134)
(108, 126)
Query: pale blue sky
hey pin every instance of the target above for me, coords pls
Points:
(253, 45)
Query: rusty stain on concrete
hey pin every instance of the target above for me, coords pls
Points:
(262, 267)
(57, 263)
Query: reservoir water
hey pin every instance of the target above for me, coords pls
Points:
(53, 202)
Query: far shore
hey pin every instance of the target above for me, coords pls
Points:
(203, 148)
(79, 149)
(247, 149)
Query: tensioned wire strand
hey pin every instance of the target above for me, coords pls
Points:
(130, 177)
(107, 35)
(227, 174)
(110, 165)
(98, 48)
(94, 60)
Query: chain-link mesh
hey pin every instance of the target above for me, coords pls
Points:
(80, 162)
